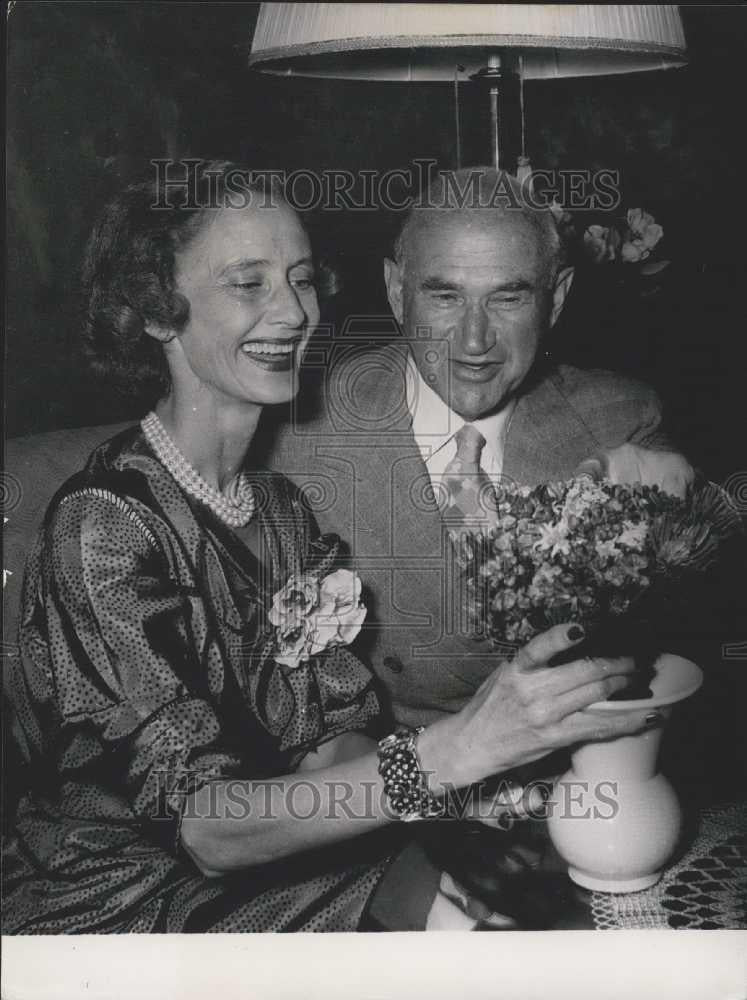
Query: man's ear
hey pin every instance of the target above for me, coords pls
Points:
(563, 283)
(393, 282)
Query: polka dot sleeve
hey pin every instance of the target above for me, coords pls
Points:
(128, 673)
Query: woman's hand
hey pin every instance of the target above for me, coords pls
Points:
(525, 710)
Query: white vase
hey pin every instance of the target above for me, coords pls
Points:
(612, 817)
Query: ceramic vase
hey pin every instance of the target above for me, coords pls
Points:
(613, 817)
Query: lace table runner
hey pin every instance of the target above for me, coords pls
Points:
(706, 888)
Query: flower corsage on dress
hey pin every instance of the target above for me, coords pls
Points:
(309, 687)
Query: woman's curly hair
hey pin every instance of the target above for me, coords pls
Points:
(128, 271)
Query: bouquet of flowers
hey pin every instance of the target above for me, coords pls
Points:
(616, 558)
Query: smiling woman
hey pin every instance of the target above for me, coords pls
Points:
(211, 272)
(149, 670)
(249, 279)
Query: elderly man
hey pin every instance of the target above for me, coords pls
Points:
(468, 393)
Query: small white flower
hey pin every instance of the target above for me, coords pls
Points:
(554, 537)
(607, 550)
(644, 233)
(294, 645)
(583, 494)
(294, 601)
(602, 243)
(633, 535)
(341, 612)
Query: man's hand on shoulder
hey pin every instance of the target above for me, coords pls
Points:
(630, 463)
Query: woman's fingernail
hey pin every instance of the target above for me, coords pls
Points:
(653, 718)
(575, 632)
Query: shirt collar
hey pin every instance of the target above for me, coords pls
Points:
(434, 423)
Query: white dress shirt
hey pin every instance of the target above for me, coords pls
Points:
(434, 425)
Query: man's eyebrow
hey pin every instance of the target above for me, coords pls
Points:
(243, 262)
(436, 284)
(439, 285)
(515, 286)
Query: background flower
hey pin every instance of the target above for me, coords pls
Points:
(631, 241)
(642, 236)
(602, 243)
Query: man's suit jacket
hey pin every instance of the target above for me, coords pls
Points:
(363, 473)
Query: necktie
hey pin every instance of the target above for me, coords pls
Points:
(467, 494)
(466, 490)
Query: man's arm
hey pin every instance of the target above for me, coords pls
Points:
(650, 431)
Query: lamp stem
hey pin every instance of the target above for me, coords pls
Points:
(456, 119)
(494, 64)
(494, 126)
(521, 106)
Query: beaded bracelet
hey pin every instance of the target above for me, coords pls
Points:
(405, 783)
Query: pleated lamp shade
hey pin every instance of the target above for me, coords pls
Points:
(424, 42)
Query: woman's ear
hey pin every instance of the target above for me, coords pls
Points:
(563, 283)
(393, 281)
(163, 334)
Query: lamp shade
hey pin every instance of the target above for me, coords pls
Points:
(424, 41)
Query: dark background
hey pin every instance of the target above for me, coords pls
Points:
(97, 89)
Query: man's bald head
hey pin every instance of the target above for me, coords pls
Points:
(479, 195)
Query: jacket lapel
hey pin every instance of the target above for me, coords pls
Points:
(394, 504)
(546, 437)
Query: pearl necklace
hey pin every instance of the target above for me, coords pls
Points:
(235, 509)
